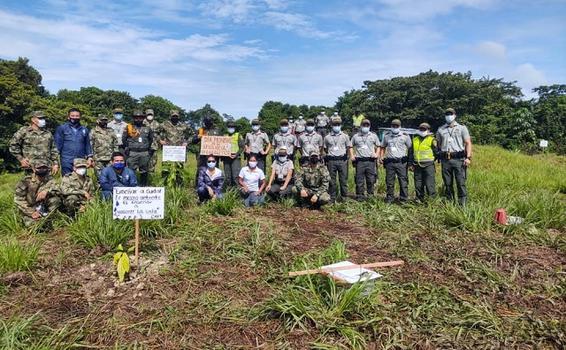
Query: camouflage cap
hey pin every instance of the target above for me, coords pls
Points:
(37, 114)
(117, 110)
(284, 121)
(336, 120)
(396, 122)
(149, 111)
(255, 122)
(79, 162)
(450, 111)
(425, 126)
(366, 122)
(310, 122)
(40, 163)
(174, 112)
(137, 113)
(102, 117)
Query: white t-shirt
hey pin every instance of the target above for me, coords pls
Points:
(252, 178)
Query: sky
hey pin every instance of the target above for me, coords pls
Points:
(238, 54)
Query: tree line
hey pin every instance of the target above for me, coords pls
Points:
(494, 110)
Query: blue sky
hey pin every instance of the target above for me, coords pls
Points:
(238, 54)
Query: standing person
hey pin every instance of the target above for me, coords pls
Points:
(280, 181)
(156, 128)
(312, 181)
(257, 144)
(34, 142)
(322, 121)
(394, 151)
(174, 133)
(76, 188)
(37, 194)
(284, 138)
(422, 157)
(252, 183)
(118, 125)
(104, 142)
(137, 141)
(73, 141)
(208, 129)
(300, 122)
(336, 145)
(308, 142)
(364, 154)
(357, 120)
(232, 164)
(455, 146)
(116, 175)
(210, 181)
(292, 125)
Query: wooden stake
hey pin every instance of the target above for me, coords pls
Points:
(137, 229)
(349, 267)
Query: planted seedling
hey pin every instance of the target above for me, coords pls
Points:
(122, 262)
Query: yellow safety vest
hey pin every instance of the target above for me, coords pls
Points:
(358, 119)
(422, 149)
(235, 138)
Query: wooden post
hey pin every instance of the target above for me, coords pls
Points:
(137, 251)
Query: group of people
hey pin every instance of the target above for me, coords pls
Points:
(309, 159)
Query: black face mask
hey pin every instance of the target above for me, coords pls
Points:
(74, 121)
(174, 120)
(103, 125)
(138, 122)
(313, 160)
(41, 172)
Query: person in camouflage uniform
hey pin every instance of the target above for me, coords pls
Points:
(76, 188)
(137, 141)
(32, 143)
(104, 143)
(156, 128)
(174, 132)
(37, 194)
(312, 182)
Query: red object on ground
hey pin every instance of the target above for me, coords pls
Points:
(501, 216)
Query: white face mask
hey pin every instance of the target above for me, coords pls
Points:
(336, 129)
(395, 131)
(300, 117)
(118, 116)
(365, 129)
(231, 130)
(310, 128)
(282, 159)
(255, 127)
(211, 165)
(284, 129)
(422, 133)
(81, 171)
(150, 117)
(449, 118)
(252, 164)
(41, 123)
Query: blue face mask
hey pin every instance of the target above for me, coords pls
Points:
(211, 164)
(284, 129)
(118, 116)
(118, 166)
(365, 129)
(336, 129)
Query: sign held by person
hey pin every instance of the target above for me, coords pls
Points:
(220, 146)
(174, 154)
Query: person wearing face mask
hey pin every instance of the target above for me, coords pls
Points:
(138, 144)
(103, 141)
(156, 128)
(37, 194)
(455, 153)
(336, 147)
(364, 154)
(284, 138)
(257, 144)
(174, 133)
(308, 142)
(312, 182)
(291, 125)
(76, 188)
(117, 174)
(300, 122)
(357, 119)
(118, 125)
(34, 142)
(422, 156)
(232, 164)
(208, 129)
(394, 155)
(210, 181)
(279, 184)
(322, 121)
(73, 141)
(252, 183)
(299, 130)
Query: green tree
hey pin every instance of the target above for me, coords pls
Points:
(161, 106)
(196, 117)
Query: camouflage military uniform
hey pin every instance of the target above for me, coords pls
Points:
(104, 142)
(156, 128)
(33, 145)
(174, 135)
(26, 196)
(315, 180)
(74, 189)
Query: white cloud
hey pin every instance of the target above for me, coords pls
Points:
(418, 10)
(529, 76)
(491, 49)
(236, 10)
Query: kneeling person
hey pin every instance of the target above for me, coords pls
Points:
(37, 194)
(281, 175)
(76, 188)
(210, 181)
(252, 183)
(116, 175)
(311, 186)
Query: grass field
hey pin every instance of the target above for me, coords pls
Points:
(213, 276)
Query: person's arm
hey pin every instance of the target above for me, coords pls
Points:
(271, 178)
(467, 146)
(125, 140)
(288, 178)
(16, 146)
(299, 181)
(59, 138)
(325, 182)
(88, 146)
(150, 139)
(268, 144)
(241, 145)
(262, 184)
(106, 184)
(241, 181)
(219, 185)
(410, 155)
(247, 144)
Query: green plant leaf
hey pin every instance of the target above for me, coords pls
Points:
(123, 266)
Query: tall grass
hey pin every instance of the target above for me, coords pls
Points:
(26, 334)
(16, 255)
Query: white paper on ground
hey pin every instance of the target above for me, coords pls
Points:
(356, 274)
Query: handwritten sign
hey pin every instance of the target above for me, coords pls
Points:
(146, 203)
(174, 154)
(216, 145)
(543, 143)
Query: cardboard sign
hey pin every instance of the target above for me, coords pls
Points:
(146, 203)
(174, 154)
(216, 145)
(543, 143)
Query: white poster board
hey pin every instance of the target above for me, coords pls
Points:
(174, 154)
(146, 203)
(356, 274)
(543, 143)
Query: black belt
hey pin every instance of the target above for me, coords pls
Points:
(395, 160)
(453, 155)
(344, 157)
(138, 150)
(365, 159)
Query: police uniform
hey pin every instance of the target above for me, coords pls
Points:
(322, 121)
(256, 142)
(309, 142)
(76, 189)
(118, 126)
(365, 147)
(287, 140)
(422, 160)
(396, 164)
(281, 170)
(138, 142)
(451, 143)
(336, 147)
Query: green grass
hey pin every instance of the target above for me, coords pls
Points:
(17, 255)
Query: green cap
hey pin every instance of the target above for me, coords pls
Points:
(37, 114)
(174, 112)
(137, 113)
(450, 111)
(117, 110)
(102, 117)
(149, 111)
(336, 120)
(425, 125)
(396, 122)
(79, 162)
(255, 122)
